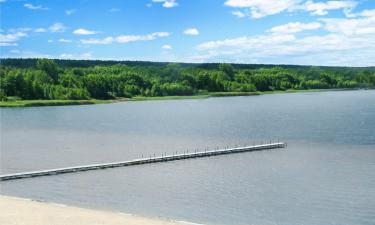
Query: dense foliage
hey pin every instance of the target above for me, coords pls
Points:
(84, 79)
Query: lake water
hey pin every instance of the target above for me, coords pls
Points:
(325, 176)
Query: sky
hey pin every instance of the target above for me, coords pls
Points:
(303, 32)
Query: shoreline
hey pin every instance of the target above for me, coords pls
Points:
(15, 211)
(40, 103)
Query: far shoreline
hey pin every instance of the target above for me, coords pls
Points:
(42, 102)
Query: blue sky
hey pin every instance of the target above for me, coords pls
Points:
(313, 32)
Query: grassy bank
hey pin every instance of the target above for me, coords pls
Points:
(199, 96)
(143, 98)
(28, 103)
(228, 94)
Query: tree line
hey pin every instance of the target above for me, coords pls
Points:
(85, 79)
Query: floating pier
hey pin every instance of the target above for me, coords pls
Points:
(155, 159)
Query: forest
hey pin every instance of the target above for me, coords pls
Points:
(30, 79)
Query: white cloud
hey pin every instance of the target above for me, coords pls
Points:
(28, 54)
(69, 12)
(94, 41)
(287, 48)
(57, 27)
(148, 37)
(10, 39)
(167, 3)
(167, 47)
(8, 44)
(170, 4)
(85, 55)
(368, 13)
(364, 13)
(321, 8)
(50, 41)
(363, 24)
(82, 31)
(239, 14)
(345, 41)
(33, 7)
(31, 54)
(65, 40)
(22, 29)
(125, 38)
(295, 27)
(261, 8)
(40, 30)
(248, 42)
(191, 31)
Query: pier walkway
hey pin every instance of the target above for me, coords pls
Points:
(156, 159)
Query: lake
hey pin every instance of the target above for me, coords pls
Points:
(326, 175)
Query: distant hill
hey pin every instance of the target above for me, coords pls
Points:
(31, 62)
(86, 79)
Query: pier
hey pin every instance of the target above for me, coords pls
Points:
(147, 160)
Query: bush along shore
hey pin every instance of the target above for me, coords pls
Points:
(41, 82)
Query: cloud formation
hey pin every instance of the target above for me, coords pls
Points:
(260, 8)
(10, 39)
(166, 47)
(295, 27)
(57, 28)
(82, 31)
(85, 55)
(34, 7)
(167, 3)
(125, 38)
(40, 30)
(148, 37)
(322, 8)
(65, 40)
(191, 31)
(15, 34)
(96, 41)
(339, 39)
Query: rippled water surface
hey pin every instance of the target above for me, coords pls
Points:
(325, 176)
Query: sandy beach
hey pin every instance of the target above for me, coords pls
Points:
(17, 211)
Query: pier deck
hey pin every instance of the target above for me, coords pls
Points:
(157, 159)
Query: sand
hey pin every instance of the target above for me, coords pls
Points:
(17, 211)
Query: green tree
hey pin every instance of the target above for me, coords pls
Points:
(50, 67)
